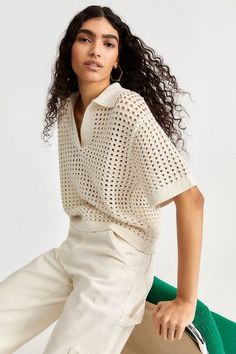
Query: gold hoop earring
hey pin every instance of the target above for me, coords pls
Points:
(121, 73)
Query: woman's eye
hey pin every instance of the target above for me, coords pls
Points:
(83, 39)
(112, 45)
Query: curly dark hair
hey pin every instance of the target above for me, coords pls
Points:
(143, 72)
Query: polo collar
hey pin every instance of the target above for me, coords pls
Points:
(107, 97)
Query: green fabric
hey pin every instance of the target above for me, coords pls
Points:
(218, 332)
(227, 329)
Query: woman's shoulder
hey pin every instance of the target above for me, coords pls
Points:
(131, 95)
(130, 101)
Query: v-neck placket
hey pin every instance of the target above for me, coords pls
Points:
(106, 98)
(86, 128)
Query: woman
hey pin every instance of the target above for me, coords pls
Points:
(115, 104)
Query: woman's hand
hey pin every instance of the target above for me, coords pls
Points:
(171, 317)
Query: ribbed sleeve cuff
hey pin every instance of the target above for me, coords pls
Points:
(170, 191)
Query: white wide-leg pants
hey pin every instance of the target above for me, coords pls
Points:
(95, 284)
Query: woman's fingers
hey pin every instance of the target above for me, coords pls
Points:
(170, 320)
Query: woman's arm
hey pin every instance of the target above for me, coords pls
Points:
(189, 219)
(171, 316)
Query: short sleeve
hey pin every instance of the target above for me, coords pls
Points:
(161, 171)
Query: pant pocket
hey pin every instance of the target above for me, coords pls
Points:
(73, 351)
(150, 273)
(130, 254)
(134, 304)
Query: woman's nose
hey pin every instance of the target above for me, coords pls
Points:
(95, 48)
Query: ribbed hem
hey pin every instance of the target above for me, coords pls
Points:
(175, 188)
(128, 235)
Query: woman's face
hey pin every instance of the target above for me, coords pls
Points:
(101, 45)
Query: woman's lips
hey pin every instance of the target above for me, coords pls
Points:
(93, 67)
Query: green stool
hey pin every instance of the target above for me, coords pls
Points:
(218, 332)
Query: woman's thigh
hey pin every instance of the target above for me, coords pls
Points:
(111, 280)
(31, 299)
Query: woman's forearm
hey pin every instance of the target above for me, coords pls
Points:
(189, 219)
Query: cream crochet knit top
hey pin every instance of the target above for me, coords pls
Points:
(123, 170)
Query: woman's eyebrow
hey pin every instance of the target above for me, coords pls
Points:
(91, 33)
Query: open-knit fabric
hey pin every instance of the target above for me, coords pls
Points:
(123, 168)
